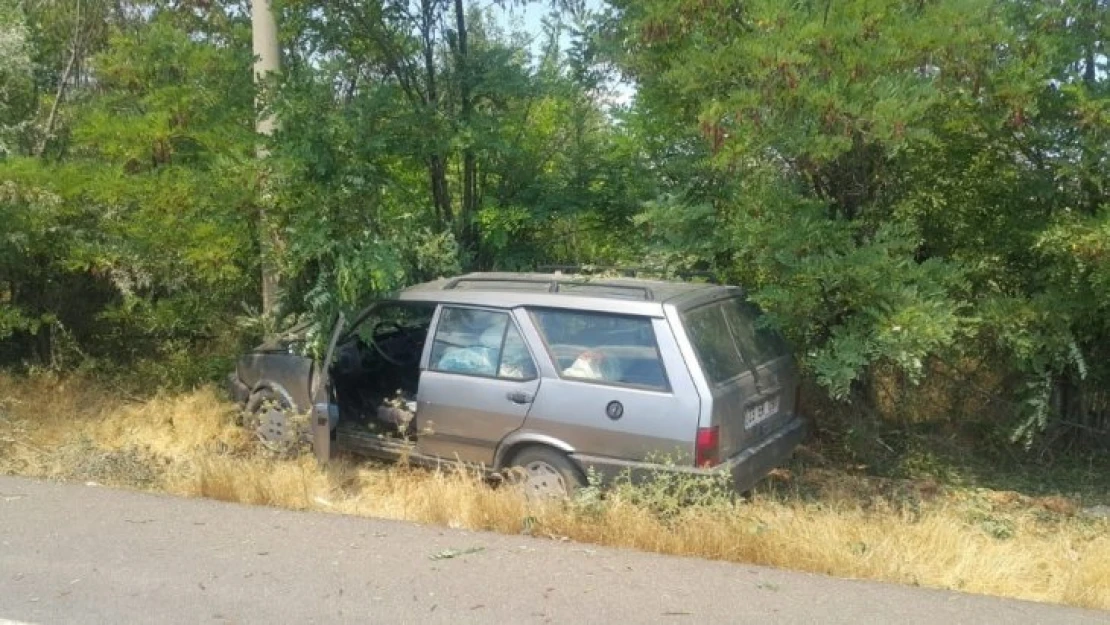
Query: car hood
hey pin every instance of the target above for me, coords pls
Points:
(283, 341)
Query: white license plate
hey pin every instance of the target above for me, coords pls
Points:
(760, 412)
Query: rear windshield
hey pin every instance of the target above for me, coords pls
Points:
(729, 339)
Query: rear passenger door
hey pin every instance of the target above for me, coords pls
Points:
(477, 386)
(607, 390)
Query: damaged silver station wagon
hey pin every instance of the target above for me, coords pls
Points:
(555, 374)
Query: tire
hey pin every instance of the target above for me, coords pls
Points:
(544, 473)
(267, 416)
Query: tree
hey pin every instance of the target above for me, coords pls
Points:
(361, 130)
(128, 240)
(890, 178)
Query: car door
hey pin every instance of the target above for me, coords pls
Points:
(477, 384)
(324, 412)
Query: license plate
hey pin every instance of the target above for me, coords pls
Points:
(760, 412)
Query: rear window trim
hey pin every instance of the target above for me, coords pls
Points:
(667, 389)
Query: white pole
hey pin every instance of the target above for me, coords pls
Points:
(267, 61)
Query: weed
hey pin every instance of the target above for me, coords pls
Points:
(814, 518)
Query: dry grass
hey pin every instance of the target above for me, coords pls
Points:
(991, 542)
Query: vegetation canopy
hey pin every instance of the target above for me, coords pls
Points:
(915, 191)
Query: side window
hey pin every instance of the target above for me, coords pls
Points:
(480, 342)
(615, 349)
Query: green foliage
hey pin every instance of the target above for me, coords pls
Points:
(131, 181)
(670, 494)
(894, 181)
(16, 75)
(358, 163)
(137, 243)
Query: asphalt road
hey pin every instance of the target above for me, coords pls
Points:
(81, 554)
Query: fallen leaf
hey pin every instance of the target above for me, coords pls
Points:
(447, 554)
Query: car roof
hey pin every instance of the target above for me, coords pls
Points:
(503, 289)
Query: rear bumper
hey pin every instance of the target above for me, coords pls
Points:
(754, 463)
(747, 468)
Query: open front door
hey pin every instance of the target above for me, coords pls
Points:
(324, 411)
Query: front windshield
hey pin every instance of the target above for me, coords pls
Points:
(394, 314)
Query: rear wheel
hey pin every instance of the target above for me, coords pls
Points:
(544, 473)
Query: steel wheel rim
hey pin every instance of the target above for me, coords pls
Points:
(272, 425)
(544, 481)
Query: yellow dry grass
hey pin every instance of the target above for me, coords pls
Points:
(977, 541)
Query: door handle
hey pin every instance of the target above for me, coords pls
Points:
(519, 397)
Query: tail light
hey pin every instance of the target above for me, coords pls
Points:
(707, 450)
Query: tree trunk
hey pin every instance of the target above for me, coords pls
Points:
(52, 117)
(441, 194)
(1092, 198)
(468, 238)
(267, 61)
(437, 162)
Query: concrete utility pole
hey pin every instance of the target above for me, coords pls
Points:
(267, 61)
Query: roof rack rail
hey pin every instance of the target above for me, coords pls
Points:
(554, 284)
(454, 282)
(626, 271)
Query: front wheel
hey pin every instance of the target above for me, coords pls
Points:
(270, 417)
(544, 473)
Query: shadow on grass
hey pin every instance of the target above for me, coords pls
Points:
(946, 455)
